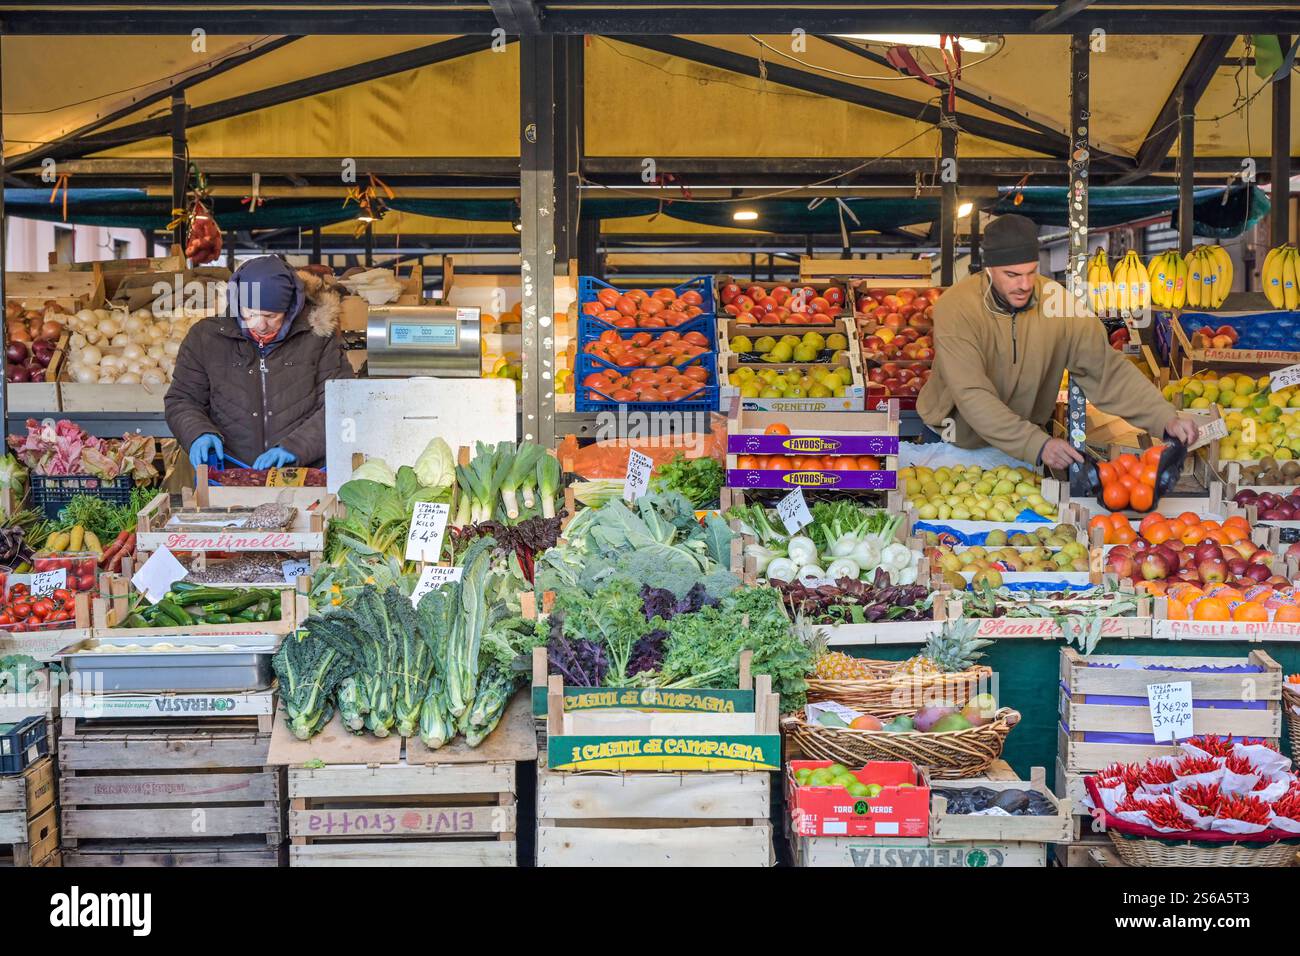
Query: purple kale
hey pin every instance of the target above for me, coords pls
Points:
(662, 603)
(582, 663)
(647, 653)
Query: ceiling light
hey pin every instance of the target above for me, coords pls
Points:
(967, 44)
(745, 215)
(965, 209)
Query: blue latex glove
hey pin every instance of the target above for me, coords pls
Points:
(204, 447)
(275, 458)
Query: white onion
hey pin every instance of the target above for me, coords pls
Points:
(107, 379)
(156, 334)
(130, 378)
(172, 348)
(109, 327)
(92, 334)
(144, 315)
(111, 362)
(132, 352)
(90, 355)
(155, 352)
(102, 314)
(119, 340)
(86, 315)
(85, 374)
(134, 323)
(77, 341)
(168, 366)
(153, 377)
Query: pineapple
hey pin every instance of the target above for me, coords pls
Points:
(953, 649)
(829, 665)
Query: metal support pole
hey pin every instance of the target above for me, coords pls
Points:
(1280, 216)
(976, 258)
(1186, 168)
(180, 166)
(315, 246)
(537, 236)
(588, 248)
(4, 269)
(948, 203)
(370, 244)
(1077, 199)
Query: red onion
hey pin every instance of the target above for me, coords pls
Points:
(16, 373)
(16, 353)
(43, 352)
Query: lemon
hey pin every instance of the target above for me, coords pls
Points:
(742, 344)
(837, 341)
(821, 391)
(1200, 403)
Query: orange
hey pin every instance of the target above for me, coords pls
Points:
(1128, 481)
(1126, 464)
(1193, 535)
(1211, 609)
(1149, 520)
(1107, 473)
(1217, 536)
(777, 428)
(868, 463)
(1209, 525)
(1158, 533)
(1124, 535)
(1177, 610)
(1118, 521)
(746, 462)
(1235, 533)
(1102, 522)
(1147, 475)
(1115, 497)
(1287, 614)
(1142, 498)
(1185, 591)
(847, 463)
(780, 463)
(1151, 457)
(1189, 518)
(1176, 528)
(1249, 611)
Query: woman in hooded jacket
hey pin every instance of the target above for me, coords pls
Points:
(251, 384)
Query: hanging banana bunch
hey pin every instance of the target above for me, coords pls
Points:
(1209, 276)
(1168, 281)
(1133, 284)
(1281, 277)
(1099, 282)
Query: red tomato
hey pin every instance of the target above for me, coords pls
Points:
(22, 610)
(60, 615)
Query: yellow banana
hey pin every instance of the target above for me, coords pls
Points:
(1121, 284)
(1180, 282)
(1194, 283)
(1144, 282)
(1224, 277)
(1105, 284)
(1291, 280)
(1157, 272)
(1207, 279)
(1091, 284)
(1271, 276)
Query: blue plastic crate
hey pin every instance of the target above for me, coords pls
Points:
(589, 286)
(590, 327)
(707, 329)
(1275, 330)
(705, 399)
(23, 744)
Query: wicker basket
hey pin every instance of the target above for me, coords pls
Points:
(1291, 711)
(949, 756)
(1143, 851)
(888, 694)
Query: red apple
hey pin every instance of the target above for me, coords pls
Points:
(728, 293)
(1258, 573)
(1154, 566)
(1212, 570)
(1237, 567)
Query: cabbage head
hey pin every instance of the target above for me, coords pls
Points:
(436, 468)
(376, 469)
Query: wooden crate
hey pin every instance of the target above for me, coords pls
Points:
(243, 710)
(44, 645)
(658, 729)
(29, 830)
(137, 788)
(359, 800)
(947, 828)
(116, 605)
(638, 818)
(908, 853)
(71, 290)
(1080, 716)
(403, 815)
(305, 535)
(212, 851)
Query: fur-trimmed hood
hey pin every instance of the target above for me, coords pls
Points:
(324, 302)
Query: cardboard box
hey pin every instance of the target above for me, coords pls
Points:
(353, 313)
(896, 811)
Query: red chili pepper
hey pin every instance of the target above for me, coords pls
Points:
(1156, 773)
(1213, 744)
(1239, 765)
(1202, 798)
(1244, 807)
(1128, 774)
(1164, 813)
(1288, 805)
(1190, 766)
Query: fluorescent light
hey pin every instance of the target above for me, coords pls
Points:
(968, 44)
(965, 210)
(365, 218)
(744, 215)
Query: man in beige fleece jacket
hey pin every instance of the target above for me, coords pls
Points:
(1002, 340)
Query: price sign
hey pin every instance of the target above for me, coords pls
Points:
(1171, 710)
(1210, 431)
(1284, 378)
(47, 582)
(428, 522)
(637, 482)
(286, 477)
(433, 576)
(793, 510)
(157, 575)
(293, 570)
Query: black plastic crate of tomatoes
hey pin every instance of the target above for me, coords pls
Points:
(51, 493)
(22, 744)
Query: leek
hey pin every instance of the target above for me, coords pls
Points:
(464, 515)
(593, 494)
(523, 465)
(548, 483)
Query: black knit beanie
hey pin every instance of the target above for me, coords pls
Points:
(1009, 241)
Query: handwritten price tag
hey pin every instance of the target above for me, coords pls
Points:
(1209, 431)
(794, 512)
(1284, 378)
(637, 482)
(47, 582)
(1171, 710)
(424, 540)
(433, 576)
(294, 570)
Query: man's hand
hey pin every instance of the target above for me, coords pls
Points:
(1184, 429)
(1058, 454)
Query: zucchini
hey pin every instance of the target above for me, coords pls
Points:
(173, 613)
(134, 620)
(217, 618)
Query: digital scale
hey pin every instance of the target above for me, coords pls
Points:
(440, 341)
